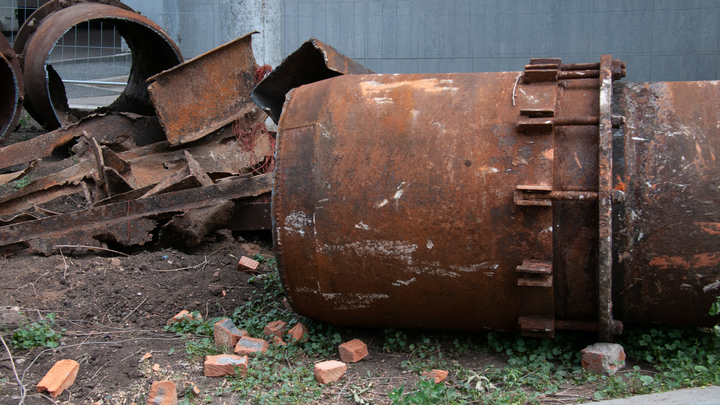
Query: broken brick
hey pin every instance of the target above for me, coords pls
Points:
(224, 364)
(227, 334)
(436, 375)
(603, 358)
(146, 356)
(59, 377)
(275, 328)
(278, 341)
(162, 393)
(247, 263)
(329, 371)
(192, 387)
(182, 315)
(248, 345)
(353, 351)
(299, 333)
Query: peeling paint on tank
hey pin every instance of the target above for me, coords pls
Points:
(392, 249)
(296, 222)
(398, 283)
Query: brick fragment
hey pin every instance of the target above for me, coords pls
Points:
(247, 264)
(146, 356)
(276, 340)
(248, 345)
(182, 315)
(329, 371)
(436, 375)
(224, 364)
(162, 393)
(353, 351)
(275, 328)
(286, 304)
(60, 376)
(227, 334)
(299, 333)
(603, 358)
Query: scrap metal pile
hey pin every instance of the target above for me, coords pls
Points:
(183, 148)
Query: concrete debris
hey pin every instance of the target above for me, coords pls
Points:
(247, 264)
(353, 351)
(247, 345)
(437, 376)
(60, 377)
(275, 328)
(163, 393)
(227, 334)
(224, 364)
(603, 358)
(329, 371)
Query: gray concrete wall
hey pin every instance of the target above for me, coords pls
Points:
(661, 40)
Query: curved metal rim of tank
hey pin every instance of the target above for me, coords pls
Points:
(10, 78)
(53, 25)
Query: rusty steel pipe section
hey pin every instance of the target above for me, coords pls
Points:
(11, 88)
(455, 201)
(152, 52)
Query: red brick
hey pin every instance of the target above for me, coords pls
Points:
(353, 351)
(247, 263)
(162, 393)
(224, 364)
(182, 315)
(278, 341)
(275, 328)
(329, 371)
(299, 333)
(59, 377)
(227, 334)
(248, 345)
(603, 358)
(437, 375)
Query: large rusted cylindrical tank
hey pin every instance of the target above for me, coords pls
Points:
(553, 198)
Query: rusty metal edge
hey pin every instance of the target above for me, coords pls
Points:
(270, 93)
(605, 315)
(128, 211)
(13, 63)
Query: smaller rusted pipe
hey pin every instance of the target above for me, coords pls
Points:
(579, 74)
(569, 121)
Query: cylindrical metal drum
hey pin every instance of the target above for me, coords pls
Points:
(471, 201)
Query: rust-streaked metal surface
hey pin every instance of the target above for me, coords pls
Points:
(205, 93)
(122, 130)
(11, 87)
(152, 52)
(668, 260)
(312, 62)
(127, 222)
(393, 200)
(527, 201)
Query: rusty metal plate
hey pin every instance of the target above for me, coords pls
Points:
(393, 201)
(152, 52)
(205, 93)
(668, 255)
(312, 62)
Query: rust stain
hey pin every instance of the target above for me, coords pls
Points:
(713, 228)
(691, 262)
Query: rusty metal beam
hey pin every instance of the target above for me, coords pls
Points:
(128, 222)
(152, 52)
(312, 62)
(205, 93)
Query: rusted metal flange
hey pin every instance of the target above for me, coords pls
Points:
(11, 88)
(312, 62)
(152, 52)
